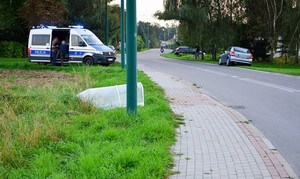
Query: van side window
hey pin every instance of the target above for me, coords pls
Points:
(40, 39)
(75, 40)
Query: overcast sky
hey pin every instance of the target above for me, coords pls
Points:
(146, 10)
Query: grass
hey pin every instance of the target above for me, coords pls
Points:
(189, 57)
(275, 68)
(46, 132)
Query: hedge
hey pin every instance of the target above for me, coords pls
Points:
(11, 49)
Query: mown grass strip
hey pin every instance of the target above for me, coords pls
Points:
(288, 69)
(189, 57)
(45, 131)
(276, 68)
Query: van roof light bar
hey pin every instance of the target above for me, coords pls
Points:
(42, 26)
(76, 26)
(51, 27)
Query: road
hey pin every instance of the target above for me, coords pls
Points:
(271, 101)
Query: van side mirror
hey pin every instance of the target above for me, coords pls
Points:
(82, 44)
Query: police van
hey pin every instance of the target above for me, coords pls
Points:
(83, 46)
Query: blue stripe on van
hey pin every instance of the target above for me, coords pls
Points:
(40, 52)
(76, 53)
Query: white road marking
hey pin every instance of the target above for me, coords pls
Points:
(271, 85)
(212, 71)
(291, 90)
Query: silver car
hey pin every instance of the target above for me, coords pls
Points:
(235, 55)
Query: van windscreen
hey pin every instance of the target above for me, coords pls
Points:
(92, 40)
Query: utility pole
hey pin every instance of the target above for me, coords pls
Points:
(122, 36)
(131, 50)
(106, 29)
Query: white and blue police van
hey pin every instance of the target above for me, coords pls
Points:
(84, 46)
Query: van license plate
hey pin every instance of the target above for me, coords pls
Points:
(110, 59)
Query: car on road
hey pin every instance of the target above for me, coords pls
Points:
(234, 55)
(184, 50)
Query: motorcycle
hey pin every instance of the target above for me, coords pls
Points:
(162, 50)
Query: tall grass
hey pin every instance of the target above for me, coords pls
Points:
(45, 131)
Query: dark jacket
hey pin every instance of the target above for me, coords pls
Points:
(64, 49)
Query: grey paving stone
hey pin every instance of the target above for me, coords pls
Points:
(214, 143)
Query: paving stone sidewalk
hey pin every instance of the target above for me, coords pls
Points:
(216, 141)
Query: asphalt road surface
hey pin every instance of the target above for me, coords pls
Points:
(270, 100)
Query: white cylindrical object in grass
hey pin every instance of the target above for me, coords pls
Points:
(111, 96)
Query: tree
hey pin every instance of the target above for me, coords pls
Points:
(140, 43)
(91, 14)
(152, 34)
(274, 11)
(11, 27)
(36, 12)
(291, 30)
(206, 22)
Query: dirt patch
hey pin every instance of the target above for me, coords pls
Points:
(33, 78)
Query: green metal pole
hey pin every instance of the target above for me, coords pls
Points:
(122, 36)
(106, 31)
(131, 50)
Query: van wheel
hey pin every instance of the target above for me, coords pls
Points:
(88, 61)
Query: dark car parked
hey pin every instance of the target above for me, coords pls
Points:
(184, 49)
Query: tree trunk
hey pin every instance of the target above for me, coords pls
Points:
(274, 39)
(271, 56)
(214, 52)
(297, 50)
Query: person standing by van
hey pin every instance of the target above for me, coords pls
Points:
(54, 49)
(63, 50)
(197, 52)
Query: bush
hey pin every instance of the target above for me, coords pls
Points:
(11, 49)
(140, 43)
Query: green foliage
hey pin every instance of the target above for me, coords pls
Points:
(91, 14)
(254, 24)
(46, 132)
(11, 26)
(11, 49)
(17, 17)
(140, 43)
(153, 33)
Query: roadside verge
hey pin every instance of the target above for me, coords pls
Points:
(287, 69)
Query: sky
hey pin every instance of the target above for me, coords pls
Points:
(146, 10)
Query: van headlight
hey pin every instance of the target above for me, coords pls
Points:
(99, 52)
